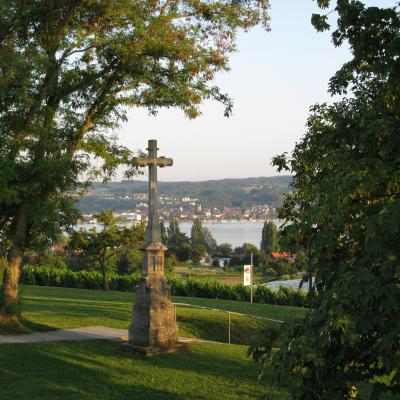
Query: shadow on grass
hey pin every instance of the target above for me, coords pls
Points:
(24, 326)
(214, 326)
(100, 370)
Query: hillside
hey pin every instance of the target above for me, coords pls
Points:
(213, 193)
(99, 369)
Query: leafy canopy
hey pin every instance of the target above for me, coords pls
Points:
(346, 202)
(71, 68)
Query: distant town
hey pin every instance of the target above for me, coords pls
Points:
(184, 209)
(244, 199)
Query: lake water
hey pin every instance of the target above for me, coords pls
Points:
(234, 232)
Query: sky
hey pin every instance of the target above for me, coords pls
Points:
(274, 78)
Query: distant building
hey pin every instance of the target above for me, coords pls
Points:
(224, 261)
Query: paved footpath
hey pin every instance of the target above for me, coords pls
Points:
(87, 333)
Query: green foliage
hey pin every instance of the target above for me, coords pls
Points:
(197, 253)
(209, 370)
(262, 345)
(269, 238)
(282, 267)
(346, 205)
(177, 242)
(242, 255)
(112, 247)
(202, 241)
(216, 193)
(129, 261)
(47, 276)
(224, 250)
(169, 265)
(320, 22)
(52, 259)
(215, 262)
(217, 290)
(69, 72)
(163, 233)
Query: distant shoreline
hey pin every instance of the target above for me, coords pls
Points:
(235, 232)
(206, 221)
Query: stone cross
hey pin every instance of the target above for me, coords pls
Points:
(153, 327)
(153, 234)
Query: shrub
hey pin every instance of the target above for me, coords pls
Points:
(211, 289)
(54, 260)
(48, 276)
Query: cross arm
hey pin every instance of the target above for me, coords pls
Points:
(145, 161)
(140, 161)
(164, 162)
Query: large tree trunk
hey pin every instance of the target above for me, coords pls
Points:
(9, 292)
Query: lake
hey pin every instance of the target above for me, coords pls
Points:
(234, 232)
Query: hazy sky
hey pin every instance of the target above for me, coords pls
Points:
(275, 77)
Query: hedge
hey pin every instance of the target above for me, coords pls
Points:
(48, 276)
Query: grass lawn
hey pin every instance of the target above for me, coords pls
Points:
(98, 370)
(101, 370)
(185, 272)
(46, 308)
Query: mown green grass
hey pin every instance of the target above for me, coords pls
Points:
(101, 370)
(45, 308)
(283, 313)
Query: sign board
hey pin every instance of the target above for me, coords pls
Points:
(247, 275)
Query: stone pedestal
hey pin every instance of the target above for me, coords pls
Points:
(154, 328)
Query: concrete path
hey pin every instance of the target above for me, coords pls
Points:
(88, 333)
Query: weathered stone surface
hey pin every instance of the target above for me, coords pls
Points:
(153, 315)
(153, 326)
(152, 351)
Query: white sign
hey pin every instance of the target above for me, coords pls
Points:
(247, 275)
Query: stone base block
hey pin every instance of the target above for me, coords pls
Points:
(153, 315)
(152, 351)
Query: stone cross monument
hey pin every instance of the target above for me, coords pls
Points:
(154, 321)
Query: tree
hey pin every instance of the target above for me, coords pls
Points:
(269, 238)
(177, 242)
(298, 238)
(130, 255)
(163, 233)
(197, 253)
(209, 242)
(69, 70)
(108, 247)
(242, 255)
(197, 233)
(201, 236)
(98, 247)
(224, 250)
(346, 196)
